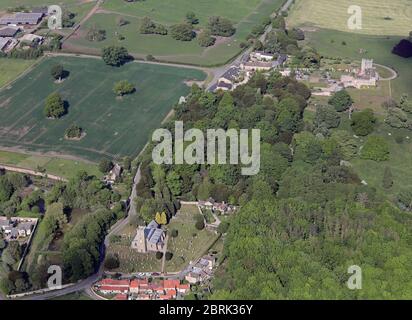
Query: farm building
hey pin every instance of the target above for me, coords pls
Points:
(8, 32)
(22, 18)
(4, 42)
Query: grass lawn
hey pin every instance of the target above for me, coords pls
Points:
(190, 244)
(4, 4)
(378, 17)
(246, 16)
(61, 167)
(114, 127)
(371, 97)
(400, 162)
(10, 69)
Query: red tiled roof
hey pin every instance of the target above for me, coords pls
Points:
(185, 286)
(171, 292)
(171, 284)
(113, 282)
(113, 288)
(139, 283)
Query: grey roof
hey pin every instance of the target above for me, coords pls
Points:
(156, 235)
(8, 32)
(213, 87)
(224, 85)
(152, 224)
(231, 74)
(22, 18)
(43, 10)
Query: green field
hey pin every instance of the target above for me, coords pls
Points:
(114, 127)
(10, 69)
(246, 16)
(61, 167)
(378, 17)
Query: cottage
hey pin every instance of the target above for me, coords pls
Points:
(114, 174)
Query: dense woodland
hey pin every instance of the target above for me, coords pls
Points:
(306, 217)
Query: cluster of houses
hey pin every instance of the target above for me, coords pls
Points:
(211, 204)
(149, 239)
(241, 73)
(201, 271)
(16, 228)
(16, 28)
(142, 289)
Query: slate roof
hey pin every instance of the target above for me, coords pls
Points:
(8, 32)
(22, 18)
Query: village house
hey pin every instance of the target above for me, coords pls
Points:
(261, 56)
(149, 239)
(17, 228)
(114, 174)
(211, 204)
(111, 286)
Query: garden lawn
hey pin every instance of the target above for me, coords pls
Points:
(113, 127)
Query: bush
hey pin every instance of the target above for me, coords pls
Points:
(182, 32)
(95, 34)
(341, 100)
(205, 39)
(363, 122)
(221, 27)
(200, 225)
(168, 256)
(73, 132)
(159, 255)
(375, 148)
(111, 262)
(54, 107)
(115, 56)
(149, 27)
(123, 87)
